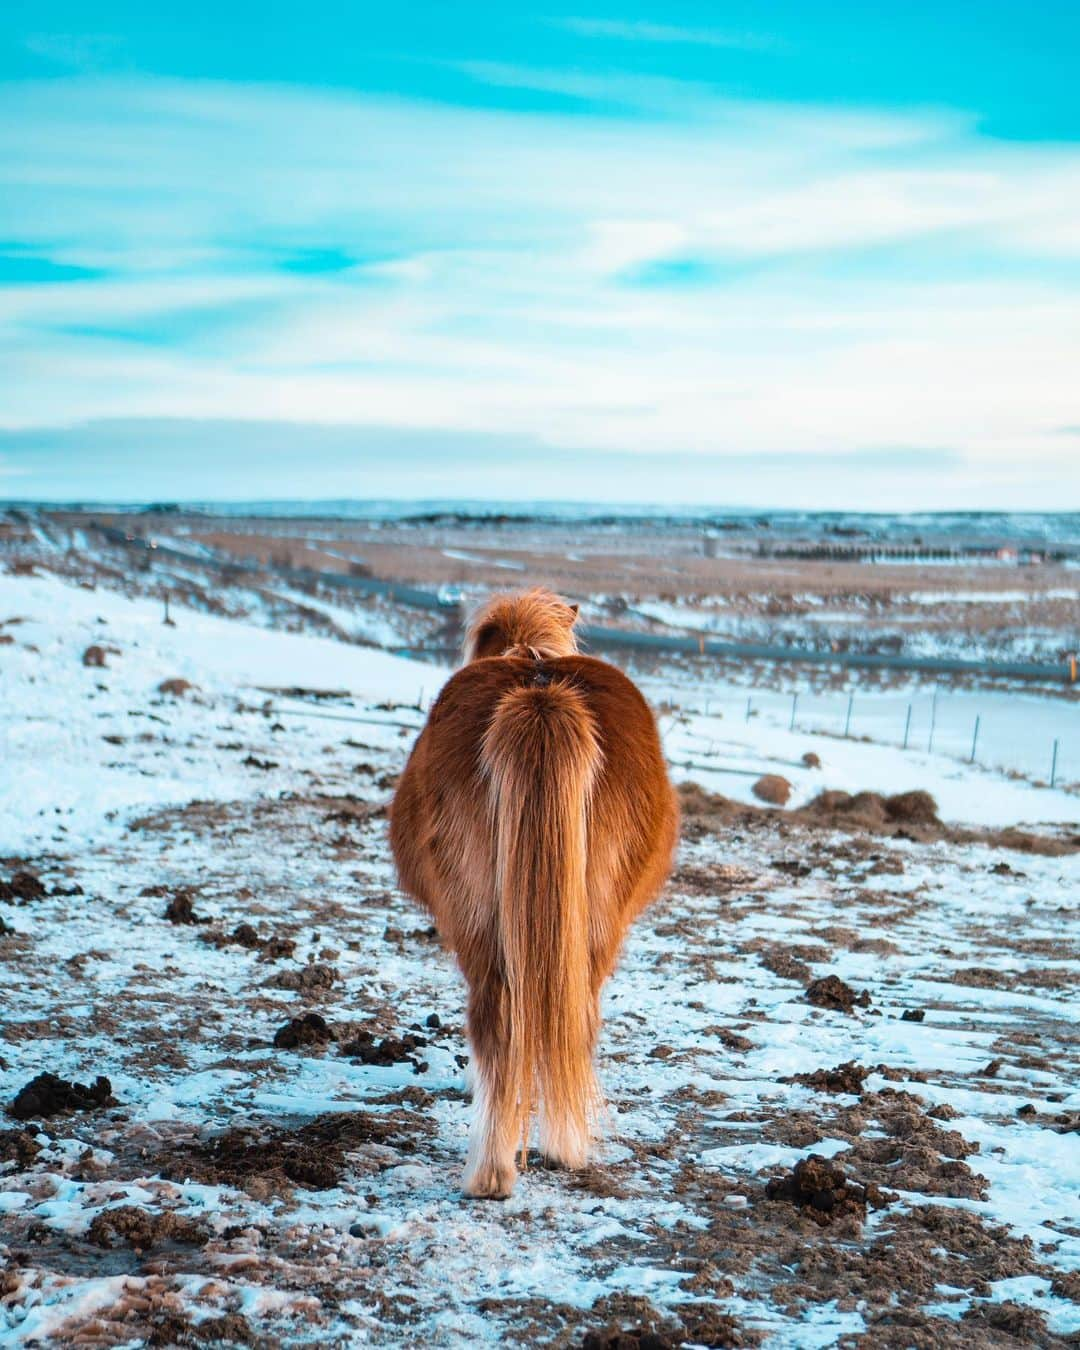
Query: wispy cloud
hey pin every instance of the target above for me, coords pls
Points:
(713, 277)
(245, 460)
(641, 31)
(83, 52)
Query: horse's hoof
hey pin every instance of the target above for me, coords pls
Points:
(490, 1182)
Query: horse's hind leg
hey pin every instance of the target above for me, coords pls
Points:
(490, 1171)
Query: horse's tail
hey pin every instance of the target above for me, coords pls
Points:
(542, 754)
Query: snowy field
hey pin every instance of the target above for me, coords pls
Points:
(198, 905)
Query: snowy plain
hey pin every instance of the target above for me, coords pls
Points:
(266, 809)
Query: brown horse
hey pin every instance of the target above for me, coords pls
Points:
(535, 821)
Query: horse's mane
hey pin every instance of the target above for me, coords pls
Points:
(535, 623)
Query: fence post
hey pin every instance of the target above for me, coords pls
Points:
(907, 725)
(794, 705)
(933, 723)
(748, 708)
(974, 739)
(847, 719)
(1053, 763)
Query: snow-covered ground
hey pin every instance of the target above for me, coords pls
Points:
(328, 1211)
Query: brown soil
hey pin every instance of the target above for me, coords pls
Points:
(22, 888)
(244, 935)
(142, 1230)
(915, 1154)
(253, 762)
(822, 1191)
(18, 1146)
(277, 947)
(173, 1329)
(832, 992)
(772, 788)
(846, 1077)
(175, 687)
(310, 979)
(786, 964)
(907, 815)
(94, 656)
(268, 1161)
(47, 1095)
(181, 909)
(691, 1324)
(390, 1050)
(310, 1029)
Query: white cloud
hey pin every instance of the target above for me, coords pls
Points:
(665, 32)
(491, 287)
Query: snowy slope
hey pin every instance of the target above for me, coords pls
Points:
(706, 1022)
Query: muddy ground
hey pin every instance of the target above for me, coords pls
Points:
(840, 1054)
(275, 1155)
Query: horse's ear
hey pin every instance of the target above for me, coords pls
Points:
(488, 640)
(574, 608)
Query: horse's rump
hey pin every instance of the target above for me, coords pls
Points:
(535, 820)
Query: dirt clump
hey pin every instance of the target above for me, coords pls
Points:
(312, 978)
(916, 807)
(634, 1338)
(833, 992)
(630, 1322)
(847, 1077)
(18, 1146)
(710, 878)
(792, 867)
(175, 687)
(308, 1029)
(274, 948)
(390, 1050)
(94, 656)
(48, 1095)
(1025, 1324)
(169, 1328)
(772, 788)
(872, 810)
(698, 1324)
(904, 815)
(916, 1154)
(22, 888)
(705, 1324)
(141, 1229)
(785, 964)
(913, 1015)
(277, 948)
(1066, 1284)
(811, 760)
(822, 1191)
(730, 1040)
(267, 1161)
(244, 935)
(181, 909)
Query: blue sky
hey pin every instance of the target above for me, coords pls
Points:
(790, 254)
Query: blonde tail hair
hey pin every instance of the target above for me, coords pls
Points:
(542, 754)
